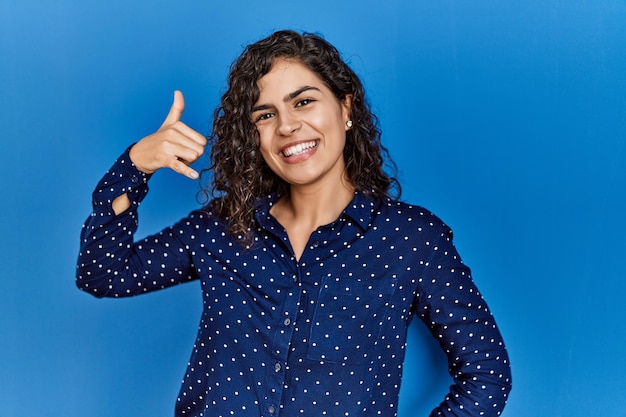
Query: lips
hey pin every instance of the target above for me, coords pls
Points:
(299, 148)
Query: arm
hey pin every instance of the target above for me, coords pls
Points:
(109, 263)
(458, 317)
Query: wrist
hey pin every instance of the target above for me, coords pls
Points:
(135, 160)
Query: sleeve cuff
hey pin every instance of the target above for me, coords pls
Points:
(123, 177)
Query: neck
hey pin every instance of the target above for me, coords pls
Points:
(305, 209)
(318, 207)
(314, 205)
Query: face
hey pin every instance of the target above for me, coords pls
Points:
(301, 125)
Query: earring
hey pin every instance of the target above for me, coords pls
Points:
(349, 124)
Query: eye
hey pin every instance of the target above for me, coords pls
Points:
(304, 102)
(263, 116)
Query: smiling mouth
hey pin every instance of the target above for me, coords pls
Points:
(298, 149)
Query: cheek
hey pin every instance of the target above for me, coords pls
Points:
(332, 122)
(335, 128)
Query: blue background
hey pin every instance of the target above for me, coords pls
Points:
(508, 119)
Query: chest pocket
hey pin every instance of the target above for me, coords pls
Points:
(348, 319)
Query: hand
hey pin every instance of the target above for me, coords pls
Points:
(174, 145)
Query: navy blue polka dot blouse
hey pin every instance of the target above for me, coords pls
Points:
(321, 336)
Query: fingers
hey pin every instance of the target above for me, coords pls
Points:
(184, 169)
(174, 145)
(176, 110)
(173, 120)
(177, 153)
(186, 145)
(189, 133)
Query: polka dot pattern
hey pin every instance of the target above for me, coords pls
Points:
(322, 336)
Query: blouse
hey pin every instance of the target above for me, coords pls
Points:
(324, 335)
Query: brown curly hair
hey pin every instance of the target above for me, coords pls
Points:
(240, 175)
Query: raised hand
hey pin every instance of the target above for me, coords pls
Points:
(175, 145)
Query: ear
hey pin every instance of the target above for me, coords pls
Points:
(346, 107)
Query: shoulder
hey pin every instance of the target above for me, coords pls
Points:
(410, 213)
(204, 219)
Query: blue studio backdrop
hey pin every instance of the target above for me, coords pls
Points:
(507, 119)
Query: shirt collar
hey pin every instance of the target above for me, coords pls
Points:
(361, 209)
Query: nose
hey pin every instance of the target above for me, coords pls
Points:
(288, 124)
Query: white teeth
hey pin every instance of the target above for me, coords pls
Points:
(299, 148)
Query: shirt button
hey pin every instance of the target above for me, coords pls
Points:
(278, 367)
(316, 244)
(134, 179)
(287, 321)
(271, 409)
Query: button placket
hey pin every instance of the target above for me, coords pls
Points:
(281, 345)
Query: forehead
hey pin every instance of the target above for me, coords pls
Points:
(286, 75)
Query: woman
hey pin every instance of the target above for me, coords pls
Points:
(310, 271)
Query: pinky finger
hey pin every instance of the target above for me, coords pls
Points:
(183, 169)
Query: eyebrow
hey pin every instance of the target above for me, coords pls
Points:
(288, 97)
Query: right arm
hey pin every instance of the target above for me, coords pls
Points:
(110, 263)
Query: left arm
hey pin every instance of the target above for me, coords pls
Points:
(452, 307)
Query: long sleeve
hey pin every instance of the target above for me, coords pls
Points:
(458, 317)
(110, 263)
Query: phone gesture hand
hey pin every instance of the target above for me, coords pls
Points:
(175, 145)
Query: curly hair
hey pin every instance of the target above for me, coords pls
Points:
(241, 176)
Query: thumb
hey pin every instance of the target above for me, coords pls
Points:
(176, 111)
